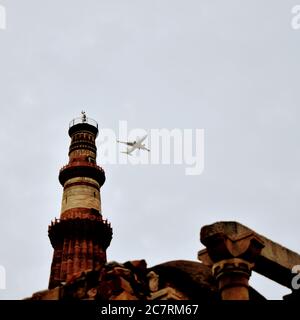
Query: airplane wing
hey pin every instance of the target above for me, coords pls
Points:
(122, 142)
(142, 139)
(127, 143)
(131, 149)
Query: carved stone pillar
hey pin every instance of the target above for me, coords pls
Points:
(232, 256)
(233, 276)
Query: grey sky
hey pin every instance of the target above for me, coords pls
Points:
(230, 67)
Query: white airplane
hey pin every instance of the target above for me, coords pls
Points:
(137, 144)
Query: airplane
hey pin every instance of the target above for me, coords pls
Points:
(137, 144)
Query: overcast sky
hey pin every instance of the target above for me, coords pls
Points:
(228, 67)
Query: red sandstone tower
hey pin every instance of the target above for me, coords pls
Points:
(80, 237)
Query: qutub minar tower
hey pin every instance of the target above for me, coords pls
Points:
(81, 236)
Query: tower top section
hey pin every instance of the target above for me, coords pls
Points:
(83, 123)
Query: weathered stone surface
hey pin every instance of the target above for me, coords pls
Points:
(193, 279)
(274, 261)
(177, 280)
(124, 296)
(53, 294)
(153, 281)
(117, 282)
(81, 195)
(168, 294)
(120, 272)
(92, 293)
(136, 265)
(125, 285)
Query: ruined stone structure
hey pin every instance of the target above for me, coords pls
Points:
(233, 251)
(81, 236)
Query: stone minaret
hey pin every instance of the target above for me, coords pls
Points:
(80, 237)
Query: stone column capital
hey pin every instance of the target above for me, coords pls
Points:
(224, 241)
(230, 266)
